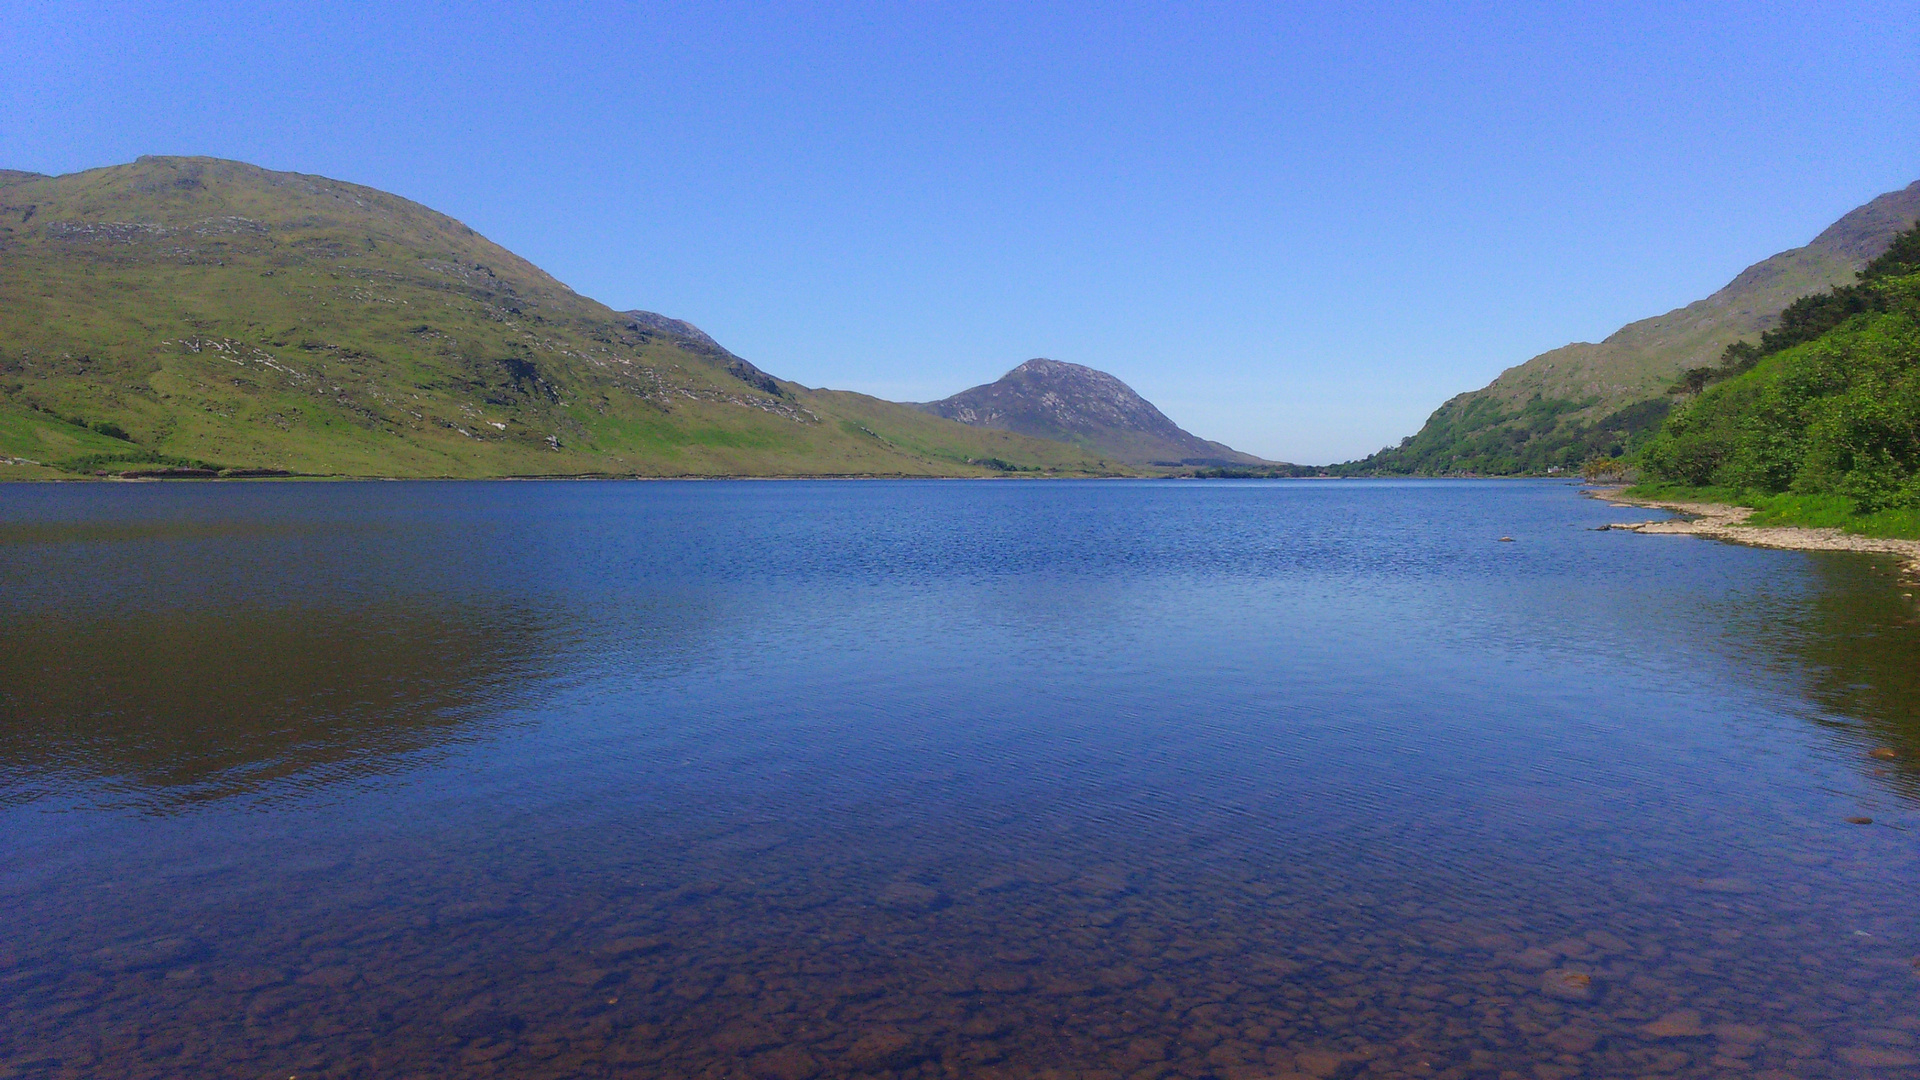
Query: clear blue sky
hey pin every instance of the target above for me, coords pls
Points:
(1296, 228)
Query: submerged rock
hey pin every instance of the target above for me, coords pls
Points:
(1678, 1024)
(1003, 982)
(745, 1038)
(1323, 1063)
(1535, 958)
(474, 910)
(887, 1048)
(787, 1063)
(1877, 1057)
(1567, 984)
(1740, 1034)
(151, 953)
(623, 948)
(478, 1021)
(333, 977)
(1573, 1039)
(911, 896)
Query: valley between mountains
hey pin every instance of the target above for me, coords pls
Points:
(199, 317)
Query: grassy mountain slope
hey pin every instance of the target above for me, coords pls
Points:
(1824, 426)
(179, 312)
(1581, 400)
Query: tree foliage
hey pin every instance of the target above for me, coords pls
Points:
(1480, 435)
(1827, 403)
(1811, 317)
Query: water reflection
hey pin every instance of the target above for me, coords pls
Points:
(165, 647)
(1857, 643)
(166, 708)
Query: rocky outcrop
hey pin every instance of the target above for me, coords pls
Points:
(695, 340)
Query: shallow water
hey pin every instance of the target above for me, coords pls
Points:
(1104, 779)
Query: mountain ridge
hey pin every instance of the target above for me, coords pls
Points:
(1588, 399)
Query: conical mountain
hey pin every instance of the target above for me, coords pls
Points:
(1086, 407)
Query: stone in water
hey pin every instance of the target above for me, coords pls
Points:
(1567, 984)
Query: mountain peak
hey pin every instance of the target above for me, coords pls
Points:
(1040, 365)
(1074, 403)
(1866, 230)
(664, 324)
(695, 340)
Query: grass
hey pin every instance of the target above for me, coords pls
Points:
(132, 461)
(46, 438)
(1803, 511)
(14, 471)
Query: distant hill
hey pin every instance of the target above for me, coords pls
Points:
(1088, 408)
(194, 314)
(1582, 400)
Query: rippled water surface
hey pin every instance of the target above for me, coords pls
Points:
(1048, 779)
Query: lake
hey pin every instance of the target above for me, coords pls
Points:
(937, 779)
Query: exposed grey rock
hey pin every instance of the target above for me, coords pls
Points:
(694, 339)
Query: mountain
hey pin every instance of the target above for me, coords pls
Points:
(1584, 400)
(193, 314)
(1091, 409)
(1824, 410)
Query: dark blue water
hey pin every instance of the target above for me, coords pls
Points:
(921, 779)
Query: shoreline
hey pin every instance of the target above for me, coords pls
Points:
(1719, 521)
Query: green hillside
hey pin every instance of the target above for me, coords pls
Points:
(1818, 423)
(1584, 400)
(196, 314)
